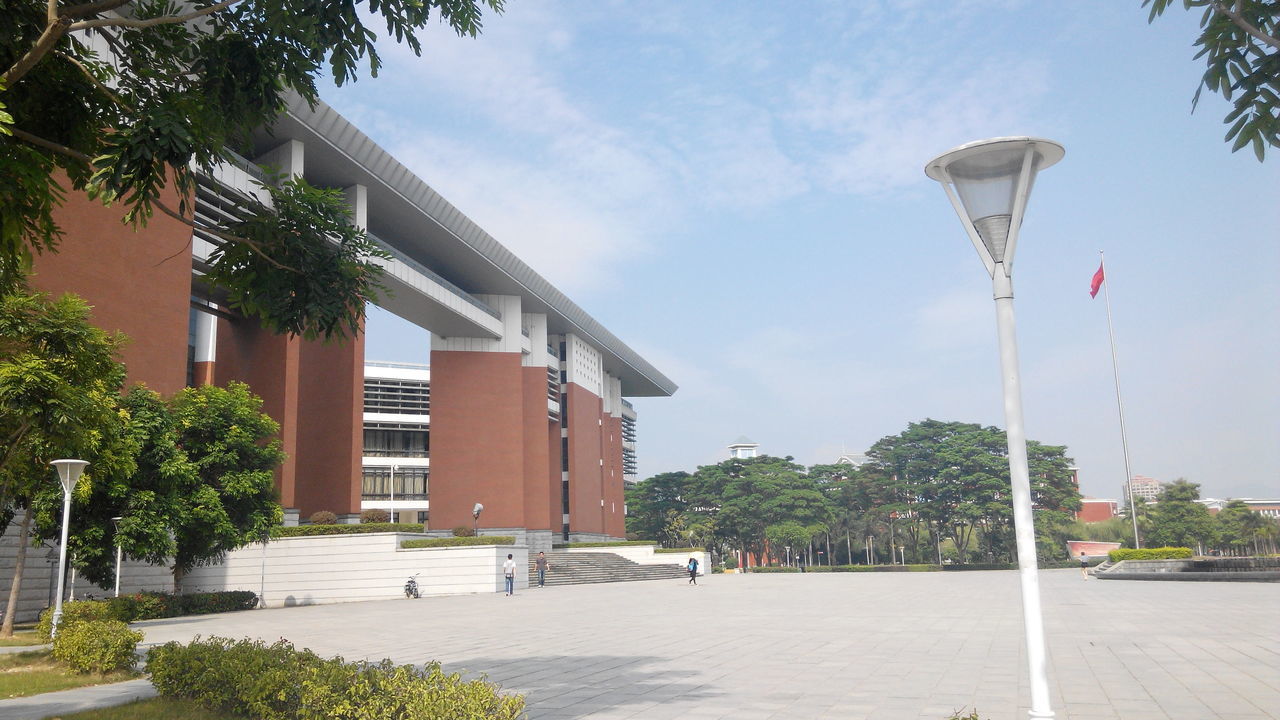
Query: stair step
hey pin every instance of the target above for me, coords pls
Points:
(601, 567)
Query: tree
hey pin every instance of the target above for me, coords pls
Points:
(1240, 43)
(790, 536)
(954, 479)
(1177, 520)
(118, 98)
(59, 385)
(1238, 527)
(654, 503)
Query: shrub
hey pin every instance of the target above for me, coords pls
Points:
(74, 612)
(775, 569)
(375, 515)
(1162, 553)
(310, 530)
(96, 646)
(731, 562)
(323, 517)
(679, 550)
(464, 531)
(717, 570)
(276, 682)
(459, 541)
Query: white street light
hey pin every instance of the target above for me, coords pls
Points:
(115, 521)
(988, 183)
(68, 474)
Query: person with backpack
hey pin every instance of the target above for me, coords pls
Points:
(693, 571)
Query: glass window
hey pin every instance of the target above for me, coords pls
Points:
(410, 483)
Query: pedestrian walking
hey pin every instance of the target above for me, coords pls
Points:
(509, 572)
(693, 571)
(542, 566)
(1084, 565)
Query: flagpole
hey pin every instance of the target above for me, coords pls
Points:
(1115, 370)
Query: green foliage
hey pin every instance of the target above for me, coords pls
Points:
(731, 562)
(309, 530)
(1178, 520)
(59, 384)
(678, 551)
(1158, 553)
(1240, 46)
(75, 612)
(133, 607)
(276, 682)
(374, 515)
(775, 569)
(464, 531)
(166, 103)
(96, 646)
(459, 541)
(323, 517)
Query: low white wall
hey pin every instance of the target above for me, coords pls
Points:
(645, 555)
(344, 568)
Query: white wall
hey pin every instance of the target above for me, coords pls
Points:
(645, 555)
(345, 568)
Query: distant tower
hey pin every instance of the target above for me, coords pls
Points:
(742, 448)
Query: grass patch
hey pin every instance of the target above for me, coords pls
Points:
(152, 709)
(459, 541)
(21, 637)
(35, 672)
(364, 528)
(614, 543)
(679, 550)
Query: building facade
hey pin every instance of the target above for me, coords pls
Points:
(523, 406)
(1143, 487)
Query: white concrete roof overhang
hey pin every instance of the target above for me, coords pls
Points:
(406, 213)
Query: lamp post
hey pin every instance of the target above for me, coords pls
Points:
(115, 522)
(988, 183)
(68, 474)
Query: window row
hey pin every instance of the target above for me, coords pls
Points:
(410, 483)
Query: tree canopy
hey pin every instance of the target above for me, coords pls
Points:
(121, 98)
(1240, 44)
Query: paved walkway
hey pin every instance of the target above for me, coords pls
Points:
(856, 646)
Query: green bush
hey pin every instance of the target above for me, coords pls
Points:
(679, 550)
(309, 530)
(717, 570)
(730, 562)
(464, 531)
(612, 543)
(1161, 553)
(74, 612)
(459, 541)
(775, 569)
(375, 515)
(96, 646)
(985, 566)
(276, 682)
(323, 517)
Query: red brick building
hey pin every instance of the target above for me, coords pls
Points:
(527, 409)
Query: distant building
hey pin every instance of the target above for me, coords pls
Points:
(742, 448)
(395, 463)
(1264, 507)
(1143, 487)
(855, 459)
(1097, 509)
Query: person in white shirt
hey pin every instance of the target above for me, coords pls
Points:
(509, 571)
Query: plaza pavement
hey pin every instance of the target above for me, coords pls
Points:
(852, 646)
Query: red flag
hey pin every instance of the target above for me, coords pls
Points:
(1097, 282)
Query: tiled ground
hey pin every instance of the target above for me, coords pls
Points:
(855, 646)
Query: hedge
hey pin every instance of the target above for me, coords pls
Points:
(276, 682)
(308, 530)
(680, 550)
(1161, 553)
(96, 646)
(459, 541)
(146, 606)
(613, 543)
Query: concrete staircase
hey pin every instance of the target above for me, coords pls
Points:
(581, 568)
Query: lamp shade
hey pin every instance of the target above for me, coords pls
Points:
(987, 177)
(69, 472)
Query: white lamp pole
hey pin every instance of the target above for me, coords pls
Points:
(988, 183)
(68, 474)
(115, 521)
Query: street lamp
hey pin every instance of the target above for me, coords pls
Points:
(68, 474)
(988, 183)
(115, 522)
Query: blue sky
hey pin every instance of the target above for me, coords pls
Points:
(737, 191)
